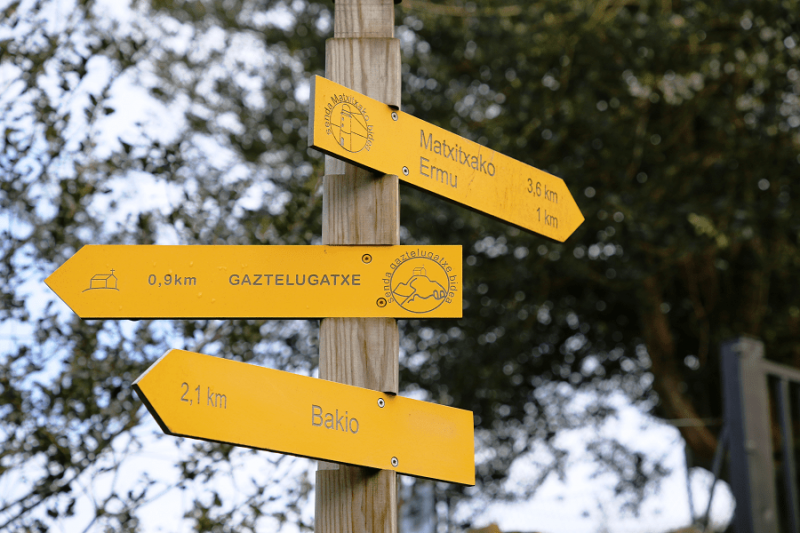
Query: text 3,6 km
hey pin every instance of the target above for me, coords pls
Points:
(537, 189)
(171, 280)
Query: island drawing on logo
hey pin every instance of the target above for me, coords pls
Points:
(419, 281)
(438, 161)
(241, 281)
(417, 292)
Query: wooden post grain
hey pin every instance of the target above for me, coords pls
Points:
(360, 208)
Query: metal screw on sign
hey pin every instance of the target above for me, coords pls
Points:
(381, 403)
(405, 171)
(381, 302)
(395, 462)
(366, 258)
(394, 115)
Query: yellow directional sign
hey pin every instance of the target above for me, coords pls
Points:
(368, 133)
(150, 281)
(209, 398)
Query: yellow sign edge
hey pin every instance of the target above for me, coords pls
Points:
(146, 402)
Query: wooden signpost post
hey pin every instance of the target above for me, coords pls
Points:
(359, 208)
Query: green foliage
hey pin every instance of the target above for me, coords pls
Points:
(675, 124)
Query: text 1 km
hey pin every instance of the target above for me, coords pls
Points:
(549, 220)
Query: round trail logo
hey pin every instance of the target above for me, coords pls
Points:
(348, 122)
(419, 285)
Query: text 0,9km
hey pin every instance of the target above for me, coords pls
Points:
(170, 280)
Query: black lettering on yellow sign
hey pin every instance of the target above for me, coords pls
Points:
(437, 174)
(334, 422)
(282, 280)
(214, 399)
(454, 153)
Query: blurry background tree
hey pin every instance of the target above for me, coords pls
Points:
(675, 124)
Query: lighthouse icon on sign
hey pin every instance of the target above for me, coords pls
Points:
(351, 131)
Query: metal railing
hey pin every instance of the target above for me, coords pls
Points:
(762, 415)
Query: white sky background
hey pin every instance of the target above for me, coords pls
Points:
(585, 503)
(582, 502)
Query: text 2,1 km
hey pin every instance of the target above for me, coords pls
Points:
(171, 280)
(197, 395)
(216, 399)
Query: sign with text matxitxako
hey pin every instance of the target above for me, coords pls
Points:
(210, 398)
(368, 133)
(151, 281)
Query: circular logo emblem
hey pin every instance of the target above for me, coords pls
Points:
(419, 285)
(349, 127)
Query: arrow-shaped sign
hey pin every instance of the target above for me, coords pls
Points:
(209, 398)
(150, 281)
(370, 134)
